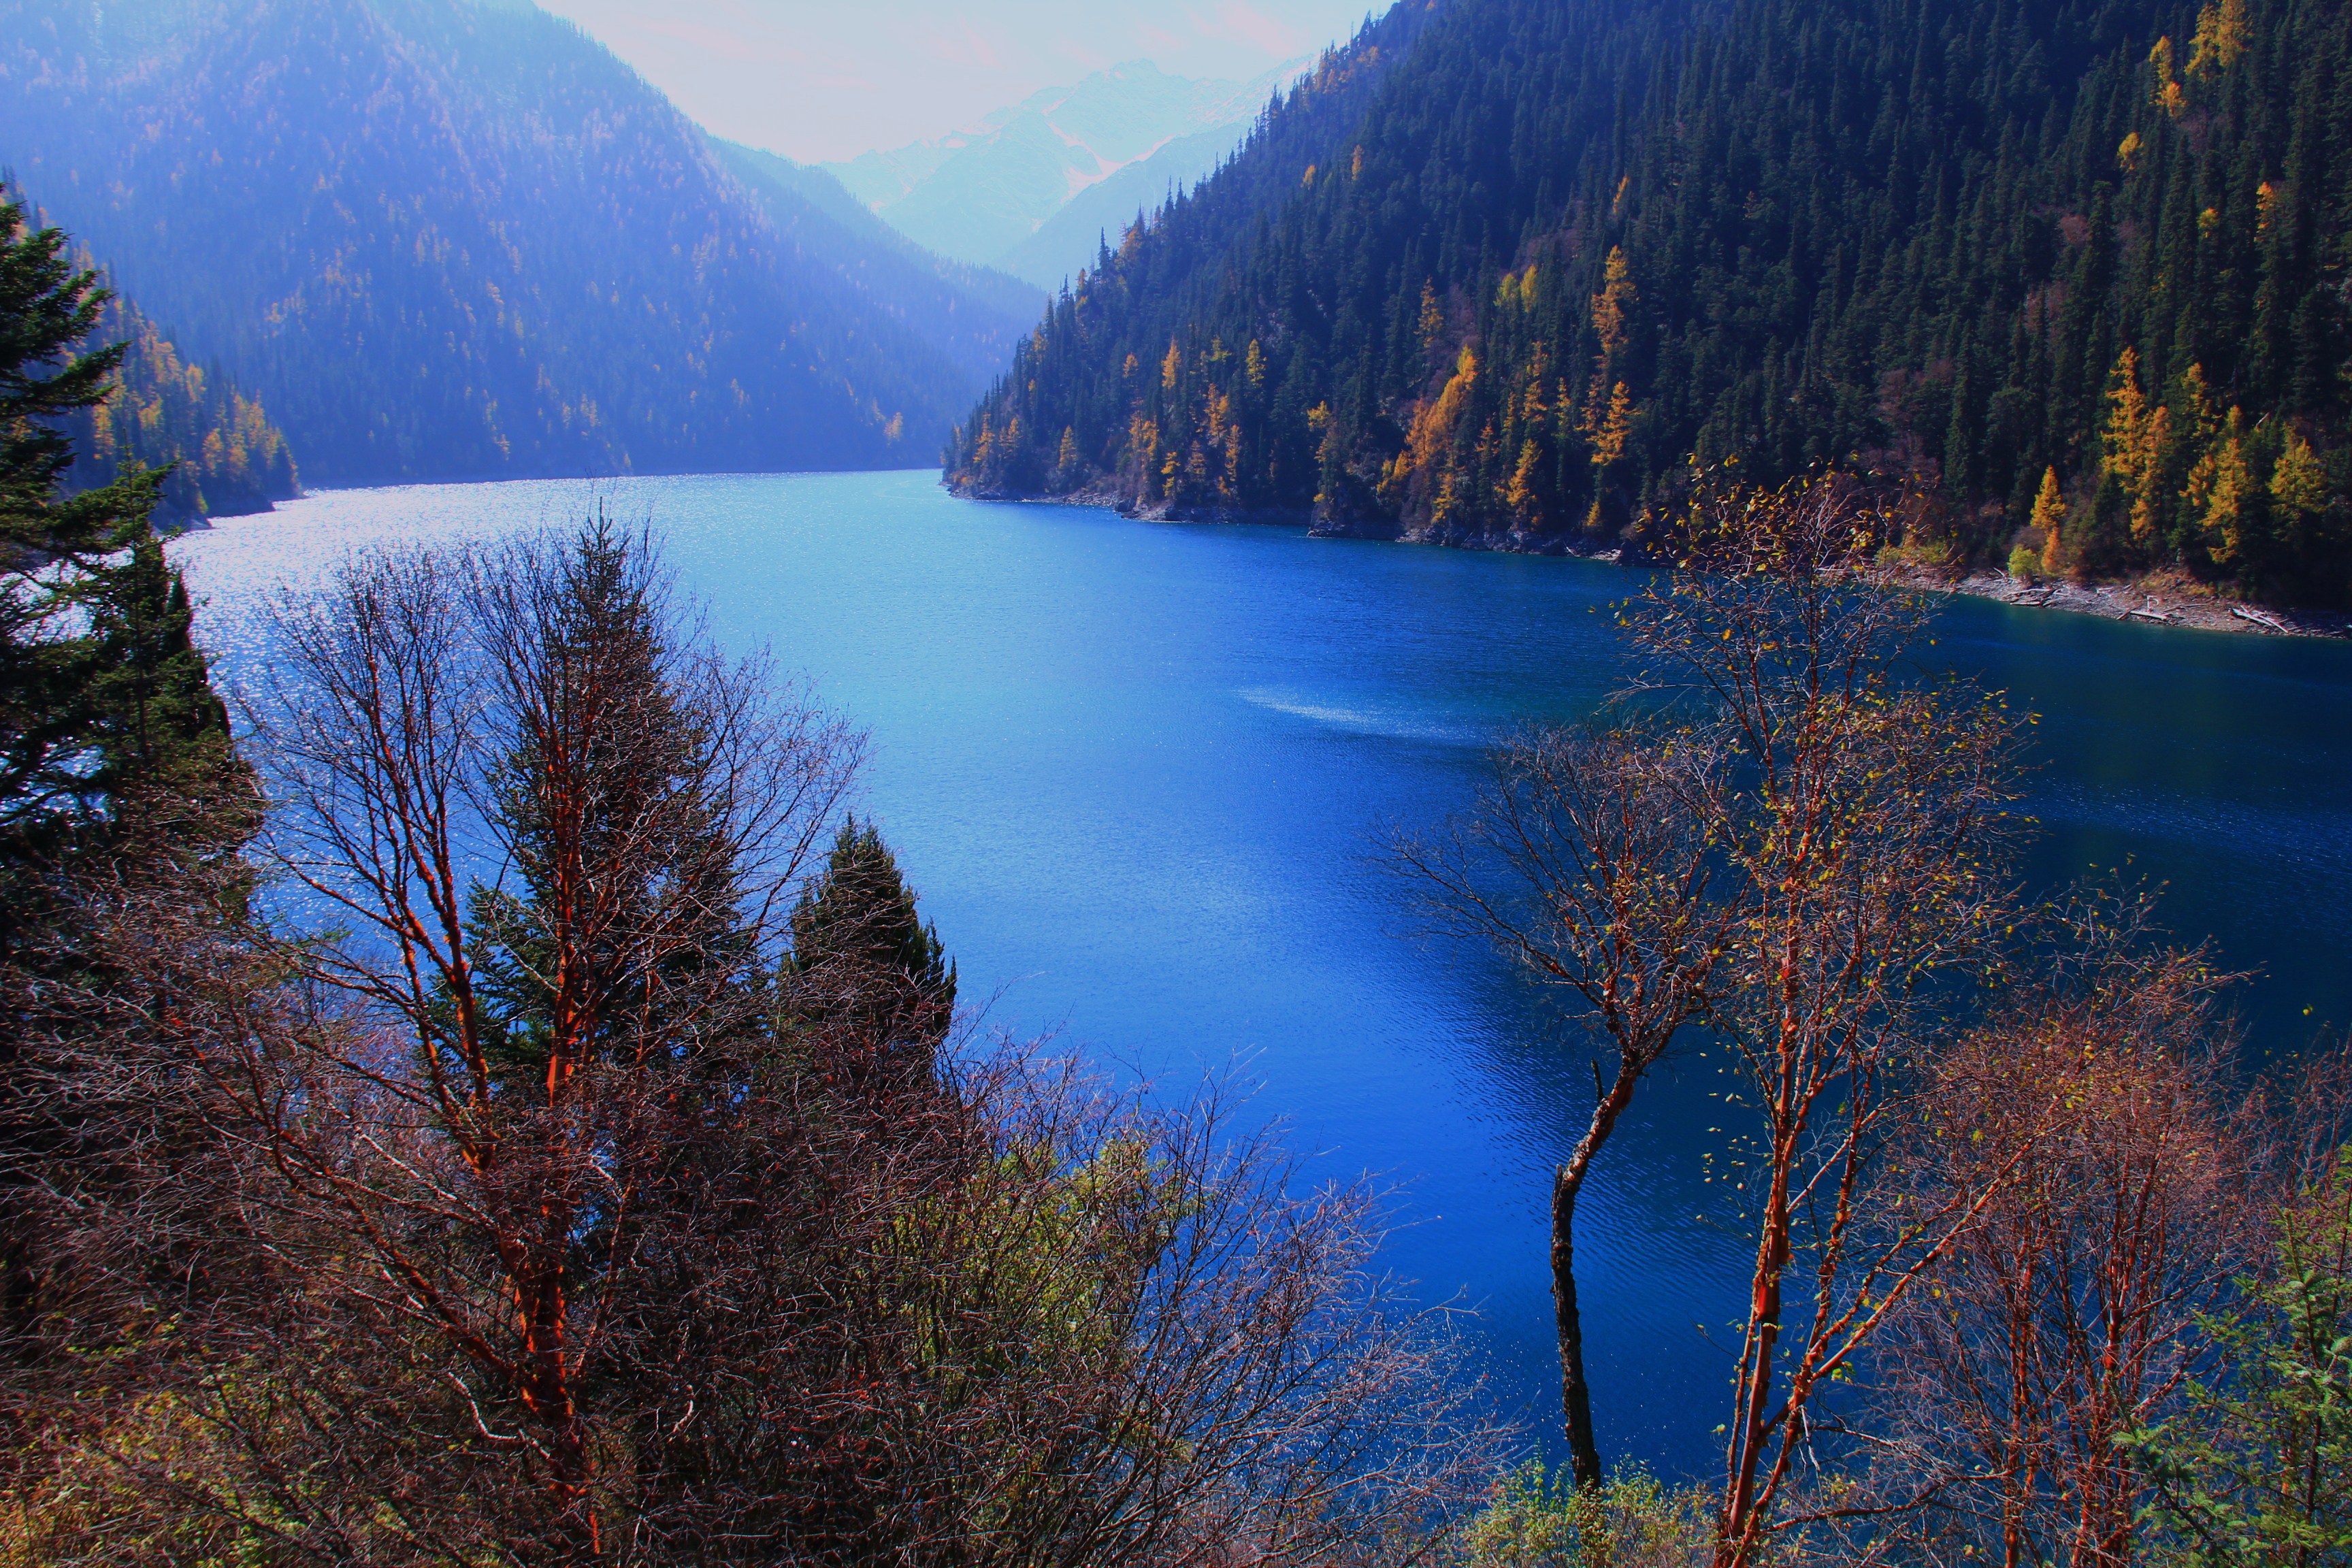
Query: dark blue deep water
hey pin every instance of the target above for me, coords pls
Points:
(1134, 769)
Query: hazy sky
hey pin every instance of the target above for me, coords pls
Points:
(831, 79)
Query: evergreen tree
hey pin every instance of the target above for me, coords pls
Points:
(118, 780)
(2256, 1472)
(630, 907)
(868, 988)
(106, 709)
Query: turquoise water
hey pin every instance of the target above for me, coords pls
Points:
(1135, 770)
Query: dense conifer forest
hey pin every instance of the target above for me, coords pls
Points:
(2078, 268)
(225, 455)
(457, 239)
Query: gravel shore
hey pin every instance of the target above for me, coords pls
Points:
(2161, 600)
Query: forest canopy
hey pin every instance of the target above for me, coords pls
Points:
(2078, 267)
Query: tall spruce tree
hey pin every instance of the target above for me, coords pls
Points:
(106, 704)
(600, 714)
(118, 780)
(868, 989)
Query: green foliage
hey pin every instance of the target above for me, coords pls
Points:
(103, 695)
(1072, 1242)
(1535, 1519)
(47, 308)
(864, 967)
(2256, 1472)
(116, 768)
(667, 924)
(1568, 248)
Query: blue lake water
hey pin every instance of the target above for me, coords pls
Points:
(1135, 770)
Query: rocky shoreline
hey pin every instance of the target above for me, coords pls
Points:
(2166, 598)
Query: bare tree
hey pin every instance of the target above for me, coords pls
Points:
(530, 1222)
(2069, 1313)
(1865, 826)
(1784, 835)
(525, 1042)
(1594, 864)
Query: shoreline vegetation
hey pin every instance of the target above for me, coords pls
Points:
(2076, 273)
(2164, 598)
(2161, 598)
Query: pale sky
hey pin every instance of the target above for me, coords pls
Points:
(818, 80)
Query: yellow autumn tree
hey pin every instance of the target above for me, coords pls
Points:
(2299, 483)
(2199, 422)
(1609, 440)
(2167, 92)
(1610, 306)
(1521, 495)
(1433, 325)
(1429, 446)
(2222, 490)
(2221, 39)
(2050, 518)
(2134, 443)
(1534, 403)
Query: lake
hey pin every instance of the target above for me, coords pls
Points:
(1135, 770)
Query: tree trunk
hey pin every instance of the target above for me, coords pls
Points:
(1575, 1393)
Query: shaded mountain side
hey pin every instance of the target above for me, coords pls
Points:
(973, 314)
(996, 289)
(2079, 266)
(1079, 393)
(1208, 361)
(457, 239)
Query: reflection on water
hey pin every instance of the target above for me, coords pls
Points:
(1395, 723)
(1135, 768)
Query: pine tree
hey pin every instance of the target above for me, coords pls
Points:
(117, 776)
(630, 905)
(868, 990)
(105, 702)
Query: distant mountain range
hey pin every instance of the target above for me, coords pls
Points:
(1034, 189)
(445, 239)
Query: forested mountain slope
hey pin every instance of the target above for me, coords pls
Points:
(1076, 410)
(2079, 266)
(227, 457)
(453, 237)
